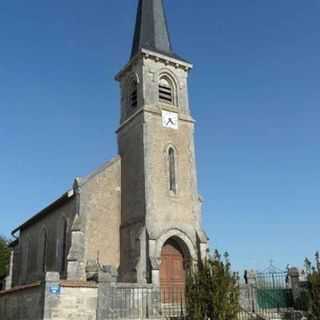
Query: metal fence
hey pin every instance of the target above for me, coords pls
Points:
(144, 303)
(271, 315)
(148, 302)
(272, 280)
(273, 292)
(268, 296)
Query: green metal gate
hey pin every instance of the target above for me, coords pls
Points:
(273, 292)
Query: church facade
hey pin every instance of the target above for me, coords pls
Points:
(140, 213)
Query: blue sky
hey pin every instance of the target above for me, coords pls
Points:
(254, 92)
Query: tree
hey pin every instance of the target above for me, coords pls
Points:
(313, 288)
(4, 257)
(212, 290)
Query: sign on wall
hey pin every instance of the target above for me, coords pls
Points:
(55, 289)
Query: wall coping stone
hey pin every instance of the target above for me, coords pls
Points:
(21, 288)
(78, 284)
(128, 285)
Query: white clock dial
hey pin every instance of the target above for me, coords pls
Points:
(170, 120)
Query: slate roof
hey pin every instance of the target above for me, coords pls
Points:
(64, 198)
(151, 31)
(54, 205)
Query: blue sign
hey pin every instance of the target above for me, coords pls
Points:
(54, 289)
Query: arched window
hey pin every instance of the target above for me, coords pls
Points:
(166, 92)
(30, 261)
(26, 254)
(133, 96)
(44, 250)
(64, 247)
(172, 170)
(25, 259)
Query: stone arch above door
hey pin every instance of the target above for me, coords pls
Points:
(183, 240)
(187, 246)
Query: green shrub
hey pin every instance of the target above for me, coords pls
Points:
(313, 289)
(212, 290)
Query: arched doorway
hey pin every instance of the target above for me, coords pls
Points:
(173, 271)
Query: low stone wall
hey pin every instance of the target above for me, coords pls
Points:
(70, 300)
(51, 299)
(78, 303)
(22, 303)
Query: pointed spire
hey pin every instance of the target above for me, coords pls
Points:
(151, 30)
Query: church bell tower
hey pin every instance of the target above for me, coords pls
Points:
(160, 204)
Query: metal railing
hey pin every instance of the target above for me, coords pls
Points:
(149, 302)
(270, 315)
(246, 315)
(145, 303)
(272, 280)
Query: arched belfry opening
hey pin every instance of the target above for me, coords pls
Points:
(175, 259)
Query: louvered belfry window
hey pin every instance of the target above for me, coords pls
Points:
(165, 90)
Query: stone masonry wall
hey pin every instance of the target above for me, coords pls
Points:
(22, 303)
(69, 300)
(74, 303)
(28, 254)
(52, 299)
(101, 208)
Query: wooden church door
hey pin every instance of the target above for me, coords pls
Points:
(172, 273)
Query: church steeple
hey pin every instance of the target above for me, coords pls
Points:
(159, 195)
(151, 31)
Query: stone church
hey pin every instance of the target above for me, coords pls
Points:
(140, 213)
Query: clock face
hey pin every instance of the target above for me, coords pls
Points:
(170, 120)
